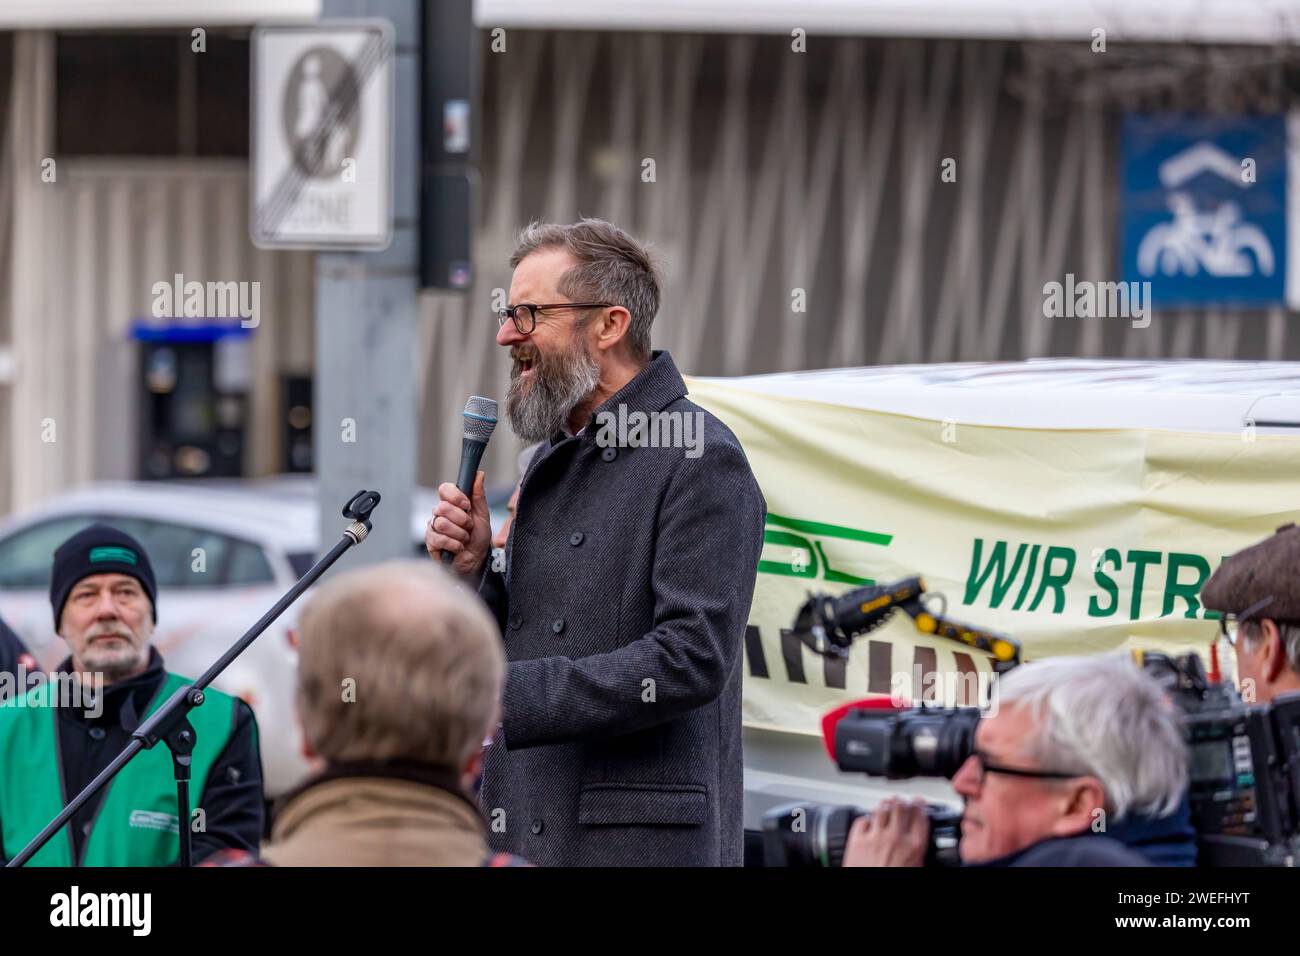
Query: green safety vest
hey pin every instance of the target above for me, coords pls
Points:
(136, 821)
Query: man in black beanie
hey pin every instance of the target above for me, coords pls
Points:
(104, 599)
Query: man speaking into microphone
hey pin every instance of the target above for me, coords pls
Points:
(628, 576)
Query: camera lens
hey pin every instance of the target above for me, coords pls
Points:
(923, 742)
(807, 835)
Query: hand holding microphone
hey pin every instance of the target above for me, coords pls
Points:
(460, 531)
(460, 526)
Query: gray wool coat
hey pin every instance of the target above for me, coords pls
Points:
(623, 603)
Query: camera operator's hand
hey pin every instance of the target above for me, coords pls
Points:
(896, 834)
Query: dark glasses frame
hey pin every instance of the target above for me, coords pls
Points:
(531, 309)
(1230, 624)
(986, 766)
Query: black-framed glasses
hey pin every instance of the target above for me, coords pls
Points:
(986, 766)
(1230, 624)
(1229, 627)
(524, 315)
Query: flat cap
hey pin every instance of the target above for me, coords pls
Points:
(1262, 580)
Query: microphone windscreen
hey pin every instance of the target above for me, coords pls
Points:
(480, 418)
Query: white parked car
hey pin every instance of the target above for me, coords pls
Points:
(257, 537)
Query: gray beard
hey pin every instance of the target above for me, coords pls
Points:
(114, 667)
(558, 386)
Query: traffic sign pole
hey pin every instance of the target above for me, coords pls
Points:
(367, 306)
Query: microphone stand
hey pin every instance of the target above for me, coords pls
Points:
(170, 722)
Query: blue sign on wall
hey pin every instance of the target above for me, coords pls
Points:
(1203, 215)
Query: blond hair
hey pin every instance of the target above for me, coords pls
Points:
(397, 662)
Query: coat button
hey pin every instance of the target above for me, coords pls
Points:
(536, 827)
(516, 622)
(557, 625)
(98, 733)
(575, 539)
(609, 454)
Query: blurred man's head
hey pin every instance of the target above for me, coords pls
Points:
(1073, 742)
(102, 592)
(1268, 658)
(502, 534)
(560, 355)
(1258, 592)
(398, 663)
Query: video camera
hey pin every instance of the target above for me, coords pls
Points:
(926, 741)
(798, 835)
(1244, 762)
(1244, 766)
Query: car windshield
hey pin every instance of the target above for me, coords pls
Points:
(301, 562)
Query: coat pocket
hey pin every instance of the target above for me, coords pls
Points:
(620, 804)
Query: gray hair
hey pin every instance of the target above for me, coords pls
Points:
(1104, 716)
(612, 267)
(1288, 633)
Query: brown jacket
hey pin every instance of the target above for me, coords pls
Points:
(377, 817)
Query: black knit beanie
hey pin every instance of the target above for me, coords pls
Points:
(99, 549)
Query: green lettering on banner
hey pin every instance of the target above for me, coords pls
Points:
(839, 577)
(1056, 582)
(1140, 560)
(997, 564)
(830, 530)
(1029, 577)
(771, 536)
(1207, 613)
(1188, 592)
(1107, 584)
(814, 548)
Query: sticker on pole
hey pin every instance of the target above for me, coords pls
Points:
(322, 136)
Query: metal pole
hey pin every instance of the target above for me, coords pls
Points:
(367, 305)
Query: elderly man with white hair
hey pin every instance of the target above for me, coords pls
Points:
(1073, 745)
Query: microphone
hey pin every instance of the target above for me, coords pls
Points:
(480, 417)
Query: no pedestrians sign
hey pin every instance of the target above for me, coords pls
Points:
(322, 136)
